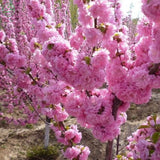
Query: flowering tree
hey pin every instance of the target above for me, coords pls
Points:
(49, 67)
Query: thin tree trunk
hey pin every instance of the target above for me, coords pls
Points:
(109, 150)
(117, 151)
(47, 131)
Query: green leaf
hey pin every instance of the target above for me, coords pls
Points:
(119, 156)
(3, 63)
(28, 70)
(49, 26)
(87, 60)
(67, 127)
(148, 1)
(37, 45)
(151, 151)
(143, 126)
(102, 28)
(22, 33)
(58, 25)
(155, 137)
(50, 46)
(154, 118)
(157, 127)
(40, 18)
(31, 108)
(29, 126)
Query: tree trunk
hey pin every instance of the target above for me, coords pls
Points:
(47, 131)
(109, 150)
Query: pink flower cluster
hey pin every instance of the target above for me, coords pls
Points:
(37, 10)
(145, 142)
(70, 136)
(98, 104)
(79, 152)
(101, 10)
(151, 8)
(2, 35)
(80, 71)
(56, 112)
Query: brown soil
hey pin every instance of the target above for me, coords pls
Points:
(15, 141)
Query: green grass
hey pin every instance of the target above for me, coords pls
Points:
(29, 126)
(40, 153)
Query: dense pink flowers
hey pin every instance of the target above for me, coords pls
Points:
(84, 153)
(2, 36)
(151, 8)
(99, 107)
(77, 151)
(90, 72)
(79, 3)
(101, 10)
(72, 153)
(3, 51)
(73, 134)
(37, 10)
(77, 38)
(14, 60)
(144, 143)
(93, 36)
(154, 51)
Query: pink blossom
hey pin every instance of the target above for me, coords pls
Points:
(106, 132)
(99, 60)
(156, 154)
(15, 60)
(79, 3)
(46, 33)
(72, 152)
(154, 53)
(34, 44)
(74, 103)
(139, 76)
(60, 114)
(3, 51)
(76, 40)
(144, 27)
(99, 108)
(110, 30)
(84, 18)
(37, 10)
(93, 36)
(52, 94)
(142, 148)
(59, 136)
(100, 10)
(2, 35)
(12, 45)
(84, 153)
(73, 134)
(55, 47)
(151, 9)
(142, 51)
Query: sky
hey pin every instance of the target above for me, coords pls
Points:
(135, 5)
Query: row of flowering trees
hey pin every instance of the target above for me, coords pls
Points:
(91, 72)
